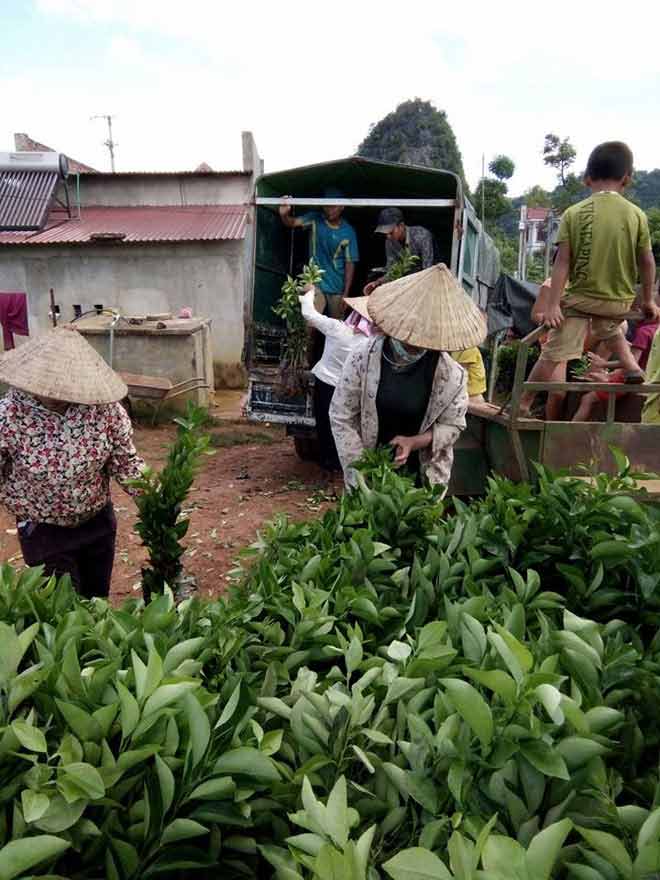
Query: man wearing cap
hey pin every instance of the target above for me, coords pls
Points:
(398, 236)
(63, 436)
(333, 244)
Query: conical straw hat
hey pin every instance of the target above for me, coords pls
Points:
(359, 304)
(61, 365)
(429, 310)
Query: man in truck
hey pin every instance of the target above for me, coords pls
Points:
(333, 244)
(398, 235)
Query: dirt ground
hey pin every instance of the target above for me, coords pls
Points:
(253, 475)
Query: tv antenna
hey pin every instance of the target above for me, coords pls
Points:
(110, 144)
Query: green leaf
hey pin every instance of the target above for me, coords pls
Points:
(337, 813)
(544, 849)
(546, 759)
(400, 687)
(85, 727)
(86, 778)
(416, 863)
(650, 830)
(473, 637)
(399, 651)
(10, 653)
(186, 650)
(431, 638)
(166, 783)
(610, 848)
(140, 675)
(461, 856)
(129, 710)
(24, 685)
(167, 694)
(520, 652)
(230, 706)
(247, 762)
(495, 680)
(578, 751)
(34, 805)
(199, 727)
(583, 872)
(182, 829)
(472, 707)
(31, 738)
(214, 789)
(506, 856)
(60, 815)
(551, 698)
(19, 856)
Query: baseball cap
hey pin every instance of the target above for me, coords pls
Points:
(388, 219)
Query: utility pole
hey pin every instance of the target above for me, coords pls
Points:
(483, 190)
(110, 144)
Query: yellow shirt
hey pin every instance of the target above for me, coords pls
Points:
(651, 411)
(474, 364)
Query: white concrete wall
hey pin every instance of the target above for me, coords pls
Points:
(138, 190)
(209, 277)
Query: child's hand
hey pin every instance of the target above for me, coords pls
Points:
(596, 361)
(651, 311)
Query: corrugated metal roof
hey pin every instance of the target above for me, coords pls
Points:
(25, 198)
(141, 224)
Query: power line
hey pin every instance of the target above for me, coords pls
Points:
(110, 144)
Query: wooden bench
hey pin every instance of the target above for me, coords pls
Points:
(157, 391)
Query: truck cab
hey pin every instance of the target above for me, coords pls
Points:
(427, 197)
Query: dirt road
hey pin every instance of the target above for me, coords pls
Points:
(253, 476)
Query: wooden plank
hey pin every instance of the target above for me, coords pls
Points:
(584, 387)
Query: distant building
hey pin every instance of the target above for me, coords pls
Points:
(143, 242)
(537, 224)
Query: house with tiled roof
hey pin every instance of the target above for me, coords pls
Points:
(143, 242)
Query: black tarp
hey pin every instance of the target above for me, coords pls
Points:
(510, 306)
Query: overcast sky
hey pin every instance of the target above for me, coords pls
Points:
(185, 78)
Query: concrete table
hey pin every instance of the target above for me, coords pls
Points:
(176, 349)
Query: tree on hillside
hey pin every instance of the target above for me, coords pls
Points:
(416, 133)
(645, 189)
(537, 197)
(495, 201)
(502, 167)
(569, 193)
(559, 154)
(654, 228)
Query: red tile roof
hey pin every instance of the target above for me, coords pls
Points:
(537, 213)
(140, 224)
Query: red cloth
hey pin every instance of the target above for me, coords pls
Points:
(643, 339)
(616, 377)
(13, 316)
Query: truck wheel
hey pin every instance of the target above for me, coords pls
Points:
(306, 448)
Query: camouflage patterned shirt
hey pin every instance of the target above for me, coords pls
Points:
(420, 242)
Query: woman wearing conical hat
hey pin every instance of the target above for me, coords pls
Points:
(403, 388)
(63, 436)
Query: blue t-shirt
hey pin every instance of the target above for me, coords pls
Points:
(332, 247)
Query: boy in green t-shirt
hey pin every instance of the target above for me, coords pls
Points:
(604, 243)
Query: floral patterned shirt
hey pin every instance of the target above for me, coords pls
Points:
(56, 468)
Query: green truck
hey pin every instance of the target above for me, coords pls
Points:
(505, 444)
(428, 197)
